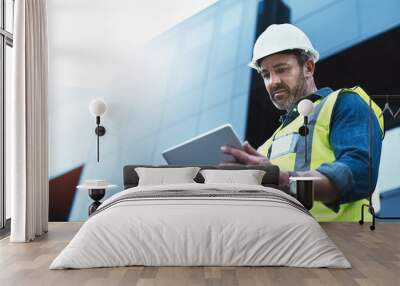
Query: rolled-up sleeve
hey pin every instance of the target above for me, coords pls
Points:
(349, 138)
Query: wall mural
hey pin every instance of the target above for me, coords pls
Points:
(185, 81)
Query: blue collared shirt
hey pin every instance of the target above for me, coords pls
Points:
(349, 138)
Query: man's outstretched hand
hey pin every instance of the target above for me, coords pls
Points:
(247, 155)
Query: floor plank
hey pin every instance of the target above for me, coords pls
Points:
(374, 255)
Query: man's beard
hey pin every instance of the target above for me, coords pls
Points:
(299, 91)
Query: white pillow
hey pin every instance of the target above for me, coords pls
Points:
(248, 177)
(162, 176)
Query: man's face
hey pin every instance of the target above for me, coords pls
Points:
(284, 79)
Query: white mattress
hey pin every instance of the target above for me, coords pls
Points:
(183, 231)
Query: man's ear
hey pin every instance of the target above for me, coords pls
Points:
(309, 68)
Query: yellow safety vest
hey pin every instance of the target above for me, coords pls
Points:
(319, 151)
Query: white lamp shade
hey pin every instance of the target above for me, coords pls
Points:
(97, 107)
(305, 107)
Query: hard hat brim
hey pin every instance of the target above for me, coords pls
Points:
(252, 65)
(314, 53)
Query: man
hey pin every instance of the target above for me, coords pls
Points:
(338, 127)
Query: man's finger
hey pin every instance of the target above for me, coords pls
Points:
(227, 149)
(238, 154)
(249, 149)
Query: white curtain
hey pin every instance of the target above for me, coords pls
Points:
(27, 123)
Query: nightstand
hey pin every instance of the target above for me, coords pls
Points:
(96, 193)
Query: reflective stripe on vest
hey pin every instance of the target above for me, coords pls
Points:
(319, 151)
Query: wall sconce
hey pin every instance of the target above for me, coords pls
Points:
(97, 108)
(305, 108)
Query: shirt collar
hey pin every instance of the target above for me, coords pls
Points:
(324, 92)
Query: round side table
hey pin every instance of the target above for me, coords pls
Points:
(96, 193)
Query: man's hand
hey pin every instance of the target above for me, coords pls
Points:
(247, 155)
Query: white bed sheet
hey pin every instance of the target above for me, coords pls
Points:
(200, 231)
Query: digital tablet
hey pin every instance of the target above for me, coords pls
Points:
(204, 149)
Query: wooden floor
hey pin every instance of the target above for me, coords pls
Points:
(375, 257)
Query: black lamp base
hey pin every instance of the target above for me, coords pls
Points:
(100, 130)
(96, 195)
(305, 193)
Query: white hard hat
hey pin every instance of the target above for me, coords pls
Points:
(280, 37)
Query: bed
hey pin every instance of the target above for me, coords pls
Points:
(201, 224)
